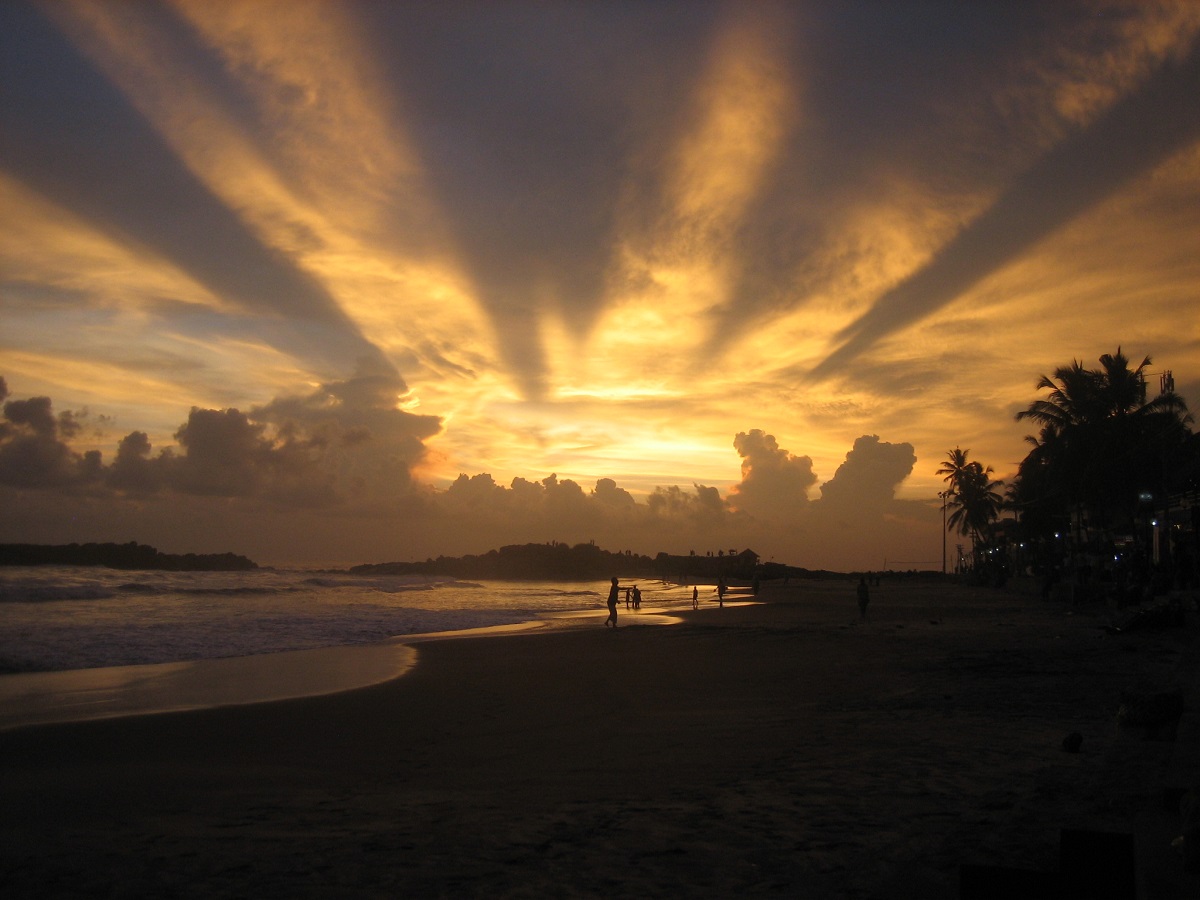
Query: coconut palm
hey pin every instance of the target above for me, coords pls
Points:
(972, 495)
(956, 463)
(1039, 494)
(1102, 444)
(1080, 396)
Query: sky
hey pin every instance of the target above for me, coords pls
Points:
(335, 282)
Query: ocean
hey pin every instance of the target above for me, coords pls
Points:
(58, 618)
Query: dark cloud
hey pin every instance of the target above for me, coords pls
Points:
(474, 493)
(868, 479)
(344, 438)
(33, 446)
(291, 465)
(607, 494)
(774, 481)
(224, 454)
(133, 470)
(359, 410)
(673, 504)
(561, 509)
(672, 518)
(34, 414)
(363, 440)
(541, 503)
(564, 498)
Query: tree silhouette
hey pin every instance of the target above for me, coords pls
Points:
(972, 495)
(1103, 448)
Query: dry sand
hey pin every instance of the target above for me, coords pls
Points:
(780, 749)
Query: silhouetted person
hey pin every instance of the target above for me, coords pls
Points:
(721, 592)
(695, 597)
(612, 604)
(637, 597)
(864, 597)
(628, 598)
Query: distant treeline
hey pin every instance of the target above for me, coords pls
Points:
(562, 562)
(120, 556)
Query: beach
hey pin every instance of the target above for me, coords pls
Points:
(782, 748)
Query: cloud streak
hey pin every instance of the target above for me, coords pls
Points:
(1140, 131)
(87, 149)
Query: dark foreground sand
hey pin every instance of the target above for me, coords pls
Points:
(782, 749)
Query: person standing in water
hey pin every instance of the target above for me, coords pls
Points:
(613, 592)
(695, 597)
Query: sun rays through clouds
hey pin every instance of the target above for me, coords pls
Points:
(749, 267)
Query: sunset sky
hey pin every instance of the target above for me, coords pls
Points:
(338, 282)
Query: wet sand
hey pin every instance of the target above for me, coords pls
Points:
(78, 695)
(781, 749)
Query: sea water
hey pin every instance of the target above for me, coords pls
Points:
(55, 618)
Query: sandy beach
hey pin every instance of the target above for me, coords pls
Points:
(781, 749)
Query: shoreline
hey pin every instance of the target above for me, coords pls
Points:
(780, 747)
(29, 699)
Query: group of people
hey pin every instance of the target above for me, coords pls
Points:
(633, 596)
(633, 599)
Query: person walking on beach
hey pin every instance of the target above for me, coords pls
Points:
(864, 597)
(612, 604)
(695, 597)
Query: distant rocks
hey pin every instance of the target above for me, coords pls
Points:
(120, 556)
(557, 560)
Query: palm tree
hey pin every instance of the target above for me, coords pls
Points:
(1101, 444)
(956, 463)
(974, 497)
(1039, 493)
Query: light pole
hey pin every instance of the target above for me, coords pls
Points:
(944, 495)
